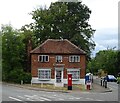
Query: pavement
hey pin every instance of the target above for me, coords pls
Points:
(99, 88)
(95, 88)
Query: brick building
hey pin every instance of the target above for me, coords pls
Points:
(54, 59)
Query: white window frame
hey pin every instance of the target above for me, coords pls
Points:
(43, 56)
(70, 70)
(74, 58)
(58, 58)
(44, 73)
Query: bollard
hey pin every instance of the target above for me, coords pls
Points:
(105, 83)
(21, 82)
(41, 84)
(101, 81)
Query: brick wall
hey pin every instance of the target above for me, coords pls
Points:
(35, 64)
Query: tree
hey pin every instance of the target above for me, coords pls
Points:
(117, 64)
(29, 41)
(0, 56)
(67, 20)
(106, 60)
(13, 54)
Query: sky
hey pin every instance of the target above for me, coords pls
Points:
(104, 18)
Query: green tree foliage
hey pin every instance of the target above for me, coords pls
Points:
(29, 40)
(67, 20)
(118, 61)
(17, 75)
(106, 60)
(0, 56)
(13, 53)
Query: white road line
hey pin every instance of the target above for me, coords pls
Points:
(21, 97)
(38, 97)
(99, 100)
(60, 99)
(15, 99)
(51, 97)
(78, 98)
(113, 88)
(45, 99)
(30, 99)
(26, 98)
(89, 98)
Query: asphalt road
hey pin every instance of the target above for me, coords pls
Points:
(11, 93)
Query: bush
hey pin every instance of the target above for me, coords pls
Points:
(17, 75)
(27, 78)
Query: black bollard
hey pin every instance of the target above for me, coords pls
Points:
(105, 83)
(101, 81)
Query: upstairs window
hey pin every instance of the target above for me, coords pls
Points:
(43, 58)
(74, 58)
(58, 58)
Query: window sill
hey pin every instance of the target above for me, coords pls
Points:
(44, 79)
(75, 79)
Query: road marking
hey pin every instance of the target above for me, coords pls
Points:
(78, 98)
(98, 100)
(41, 98)
(45, 99)
(60, 99)
(89, 98)
(30, 99)
(25, 98)
(21, 97)
(51, 97)
(15, 99)
(113, 88)
(28, 96)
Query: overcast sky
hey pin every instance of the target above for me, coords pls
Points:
(104, 18)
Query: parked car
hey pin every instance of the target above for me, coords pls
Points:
(111, 78)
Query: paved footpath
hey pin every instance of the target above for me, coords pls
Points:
(99, 88)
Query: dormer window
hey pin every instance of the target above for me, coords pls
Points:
(43, 58)
(58, 58)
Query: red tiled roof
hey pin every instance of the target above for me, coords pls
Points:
(56, 46)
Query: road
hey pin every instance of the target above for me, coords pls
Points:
(11, 93)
